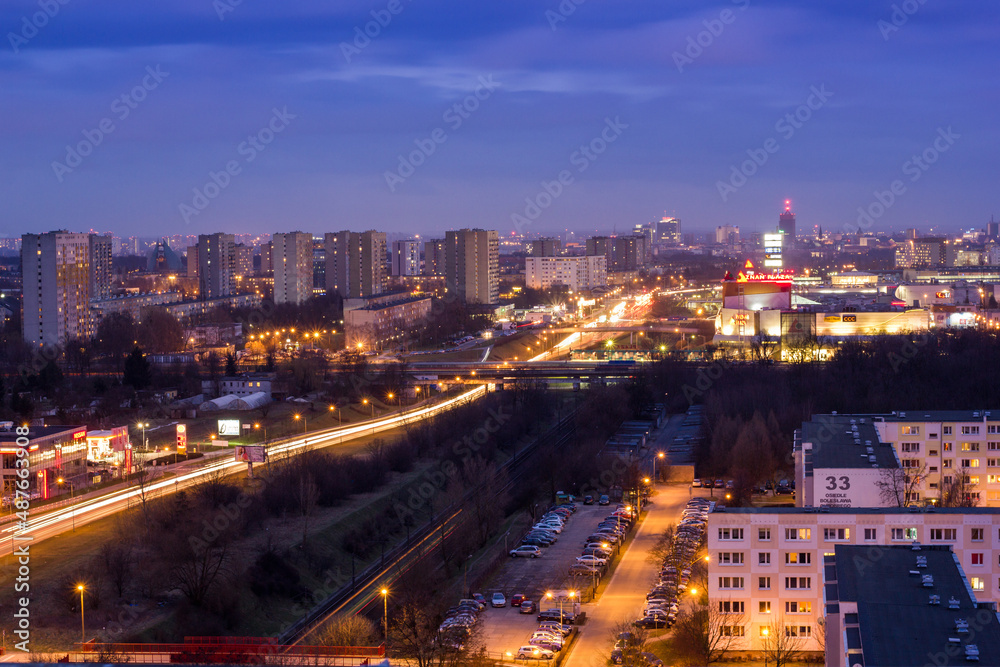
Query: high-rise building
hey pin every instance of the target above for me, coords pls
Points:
(646, 231)
(786, 222)
(727, 235)
(545, 247)
(293, 267)
(266, 254)
(576, 273)
(192, 261)
(56, 287)
(472, 264)
(993, 230)
(216, 265)
(922, 252)
(668, 230)
(100, 267)
(355, 263)
(244, 261)
(434, 257)
(622, 253)
(406, 258)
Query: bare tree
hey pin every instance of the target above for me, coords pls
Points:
(897, 486)
(117, 557)
(710, 631)
(781, 641)
(306, 495)
(959, 491)
(413, 632)
(350, 631)
(628, 643)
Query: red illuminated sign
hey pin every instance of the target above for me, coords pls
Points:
(80, 434)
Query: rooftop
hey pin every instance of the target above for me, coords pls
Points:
(896, 621)
(39, 432)
(858, 510)
(846, 441)
(943, 415)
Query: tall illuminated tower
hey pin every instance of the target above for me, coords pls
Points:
(786, 221)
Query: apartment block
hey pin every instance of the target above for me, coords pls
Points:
(100, 267)
(622, 253)
(768, 563)
(216, 265)
(383, 322)
(434, 257)
(293, 267)
(405, 259)
(56, 288)
(846, 460)
(472, 265)
(355, 263)
(545, 247)
(576, 273)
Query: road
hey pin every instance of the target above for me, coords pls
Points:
(624, 597)
(50, 522)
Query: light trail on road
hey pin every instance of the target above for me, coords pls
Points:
(58, 521)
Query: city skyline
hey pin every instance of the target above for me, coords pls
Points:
(165, 102)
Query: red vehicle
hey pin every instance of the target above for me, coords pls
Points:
(517, 600)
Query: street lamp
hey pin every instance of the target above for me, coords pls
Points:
(334, 408)
(385, 615)
(765, 633)
(144, 426)
(304, 427)
(365, 401)
(661, 456)
(258, 427)
(83, 631)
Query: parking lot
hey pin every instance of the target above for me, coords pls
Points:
(505, 629)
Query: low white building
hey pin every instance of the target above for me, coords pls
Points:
(576, 273)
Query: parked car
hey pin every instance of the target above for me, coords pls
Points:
(516, 600)
(652, 623)
(525, 551)
(534, 653)
(588, 500)
(556, 627)
(604, 500)
(696, 483)
(528, 607)
(498, 600)
(719, 484)
(592, 560)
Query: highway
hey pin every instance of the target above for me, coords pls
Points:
(55, 521)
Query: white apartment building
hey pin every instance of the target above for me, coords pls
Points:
(405, 258)
(839, 459)
(56, 289)
(767, 563)
(293, 267)
(576, 273)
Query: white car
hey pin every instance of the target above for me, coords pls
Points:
(498, 600)
(549, 526)
(534, 653)
(592, 560)
(526, 551)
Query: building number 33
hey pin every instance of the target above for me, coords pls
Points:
(845, 483)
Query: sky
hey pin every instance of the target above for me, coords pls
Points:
(196, 116)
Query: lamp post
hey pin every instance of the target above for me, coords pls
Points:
(765, 633)
(335, 409)
(72, 488)
(258, 427)
(661, 456)
(83, 631)
(143, 426)
(391, 395)
(365, 401)
(385, 616)
(304, 421)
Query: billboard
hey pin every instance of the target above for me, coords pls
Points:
(182, 438)
(251, 454)
(229, 427)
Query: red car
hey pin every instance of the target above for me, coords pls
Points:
(517, 600)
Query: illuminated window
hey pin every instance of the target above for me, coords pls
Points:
(978, 583)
